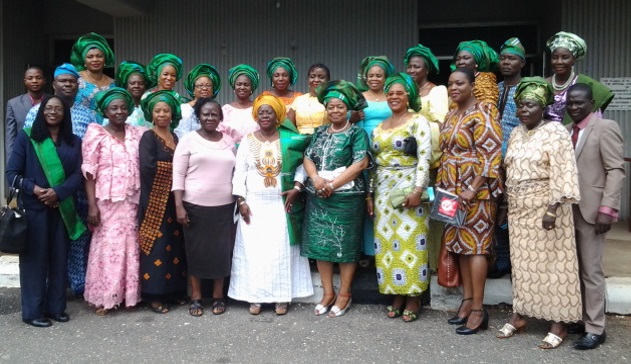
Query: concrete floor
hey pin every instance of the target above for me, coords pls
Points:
(617, 255)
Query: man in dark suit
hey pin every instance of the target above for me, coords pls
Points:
(598, 148)
(19, 106)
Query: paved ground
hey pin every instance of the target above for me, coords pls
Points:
(363, 335)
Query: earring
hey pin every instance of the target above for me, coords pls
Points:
(272, 84)
(408, 104)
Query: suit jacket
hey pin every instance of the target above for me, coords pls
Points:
(600, 164)
(17, 108)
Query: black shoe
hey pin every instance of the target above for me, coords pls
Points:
(43, 322)
(456, 320)
(464, 330)
(62, 317)
(576, 328)
(590, 341)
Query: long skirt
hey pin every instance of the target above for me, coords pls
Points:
(333, 227)
(112, 274)
(80, 248)
(207, 240)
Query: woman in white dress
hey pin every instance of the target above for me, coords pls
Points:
(266, 265)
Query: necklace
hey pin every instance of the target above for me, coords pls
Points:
(567, 83)
(340, 129)
(425, 85)
(264, 137)
(506, 85)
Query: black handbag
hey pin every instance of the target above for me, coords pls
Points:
(13, 223)
(410, 146)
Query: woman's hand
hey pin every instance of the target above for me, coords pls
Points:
(412, 200)
(94, 215)
(356, 116)
(318, 183)
(290, 196)
(466, 196)
(548, 222)
(370, 207)
(182, 216)
(49, 197)
(244, 211)
(328, 189)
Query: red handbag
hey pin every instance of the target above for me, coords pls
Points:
(448, 268)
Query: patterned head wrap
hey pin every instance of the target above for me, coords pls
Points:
(128, 68)
(287, 64)
(279, 108)
(410, 87)
(168, 96)
(244, 69)
(572, 42)
(534, 88)
(103, 99)
(343, 90)
(66, 69)
(431, 62)
(367, 63)
(202, 70)
(513, 46)
(485, 57)
(86, 42)
(159, 61)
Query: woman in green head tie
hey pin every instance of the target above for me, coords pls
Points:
(132, 76)
(401, 254)
(336, 190)
(90, 55)
(201, 82)
(482, 60)
(160, 235)
(237, 115)
(112, 183)
(163, 71)
(541, 186)
(566, 49)
(283, 74)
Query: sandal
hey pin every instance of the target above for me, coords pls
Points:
(394, 312)
(551, 341)
(509, 330)
(336, 311)
(159, 308)
(410, 316)
(218, 306)
(320, 308)
(255, 308)
(102, 311)
(196, 309)
(281, 308)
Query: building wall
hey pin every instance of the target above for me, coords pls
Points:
(606, 29)
(224, 35)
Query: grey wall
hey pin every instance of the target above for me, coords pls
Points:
(228, 32)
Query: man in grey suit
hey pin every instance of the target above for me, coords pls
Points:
(598, 148)
(19, 106)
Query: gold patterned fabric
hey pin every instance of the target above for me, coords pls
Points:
(485, 88)
(268, 160)
(541, 170)
(472, 146)
(150, 226)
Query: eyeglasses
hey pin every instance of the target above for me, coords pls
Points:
(204, 86)
(396, 93)
(57, 109)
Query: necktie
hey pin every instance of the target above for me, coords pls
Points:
(575, 131)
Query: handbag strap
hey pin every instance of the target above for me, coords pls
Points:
(16, 192)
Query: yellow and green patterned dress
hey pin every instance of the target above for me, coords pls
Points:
(401, 233)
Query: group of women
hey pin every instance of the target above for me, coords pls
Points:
(330, 175)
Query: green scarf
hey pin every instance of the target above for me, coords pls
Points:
(602, 95)
(292, 145)
(51, 164)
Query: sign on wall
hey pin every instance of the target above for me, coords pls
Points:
(621, 87)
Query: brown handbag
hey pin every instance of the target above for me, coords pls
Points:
(448, 268)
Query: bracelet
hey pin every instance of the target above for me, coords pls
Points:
(548, 213)
(330, 184)
(418, 190)
(298, 188)
(242, 202)
(470, 188)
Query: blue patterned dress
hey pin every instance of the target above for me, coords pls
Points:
(78, 253)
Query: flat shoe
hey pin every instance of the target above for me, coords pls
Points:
(281, 308)
(551, 341)
(62, 317)
(590, 341)
(411, 315)
(218, 306)
(337, 312)
(160, 308)
(393, 312)
(102, 311)
(196, 309)
(43, 322)
(255, 308)
(508, 330)
(321, 309)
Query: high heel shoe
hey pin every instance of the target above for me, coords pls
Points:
(336, 311)
(464, 330)
(456, 320)
(321, 309)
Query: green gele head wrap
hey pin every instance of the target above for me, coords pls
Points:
(171, 99)
(244, 69)
(535, 88)
(410, 87)
(419, 50)
(287, 64)
(343, 90)
(103, 99)
(86, 42)
(572, 42)
(202, 70)
(159, 61)
(513, 46)
(485, 57)
(366, 65)
(128, 68)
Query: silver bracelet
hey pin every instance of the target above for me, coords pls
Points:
(470, 188)
(298, 188)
